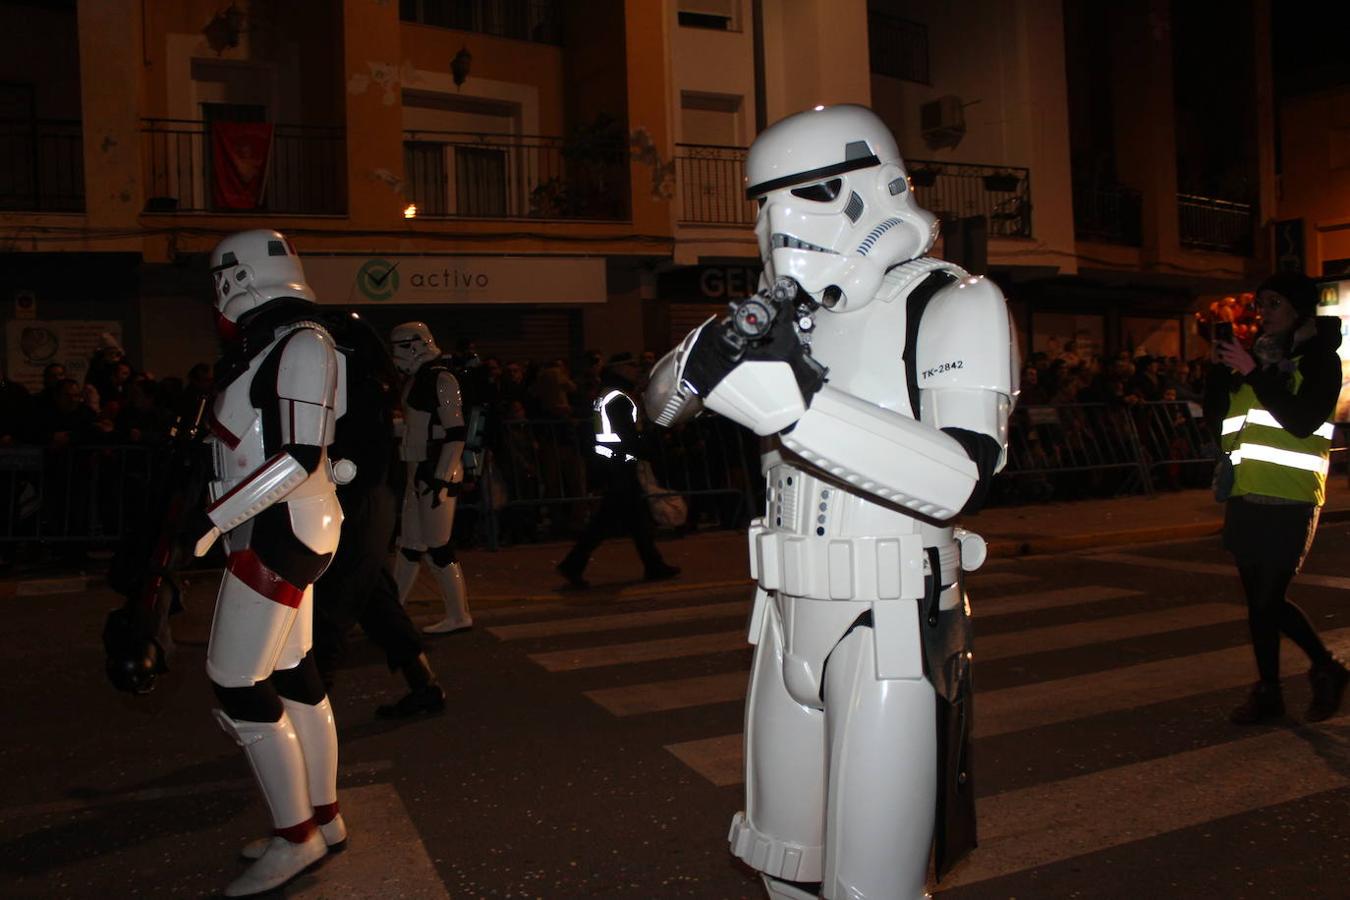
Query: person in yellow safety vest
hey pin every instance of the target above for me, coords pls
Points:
(1271, 408)
(623, 501)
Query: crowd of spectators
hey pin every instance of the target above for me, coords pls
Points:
(537, 432)
(1095, 422)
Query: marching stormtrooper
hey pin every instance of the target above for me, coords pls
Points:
(884, 379)
(280, 388)
(432, 445)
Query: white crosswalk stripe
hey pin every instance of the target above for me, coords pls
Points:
(1043, 823)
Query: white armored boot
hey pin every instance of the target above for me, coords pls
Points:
(455, 595)
(405, 575)
(317, 734)
(273, 752)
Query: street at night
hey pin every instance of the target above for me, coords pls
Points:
(591, 746)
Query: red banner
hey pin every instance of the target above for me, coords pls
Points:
(240, 152)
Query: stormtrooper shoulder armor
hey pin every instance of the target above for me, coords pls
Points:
(308, 369)
(449, 403)
(964, 339)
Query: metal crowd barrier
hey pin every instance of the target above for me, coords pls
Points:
(537, 477)
(74, 494)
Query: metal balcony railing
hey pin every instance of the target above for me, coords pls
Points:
(525, 20)
(1002, 194)
(711, 182)
(41, 165)
(465, 174)
(306, 171)
(1207, 223)
(1112, 215)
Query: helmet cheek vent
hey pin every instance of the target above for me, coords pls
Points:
(854, 209)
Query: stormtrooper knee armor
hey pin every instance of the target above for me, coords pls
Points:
(279, 391)
(432, 446)
(860, 620)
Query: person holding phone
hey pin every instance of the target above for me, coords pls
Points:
(1271, 408)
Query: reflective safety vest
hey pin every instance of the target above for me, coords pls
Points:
(1267, 459)
(608, 443)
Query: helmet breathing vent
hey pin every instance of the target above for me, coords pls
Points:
(874, 235)
(854, 210)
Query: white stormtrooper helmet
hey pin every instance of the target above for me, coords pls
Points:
(413, 345)
(252, 268)
(836, 210)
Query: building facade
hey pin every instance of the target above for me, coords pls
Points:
(546, 176)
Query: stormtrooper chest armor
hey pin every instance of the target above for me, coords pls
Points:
(862, 351)
(236, 428)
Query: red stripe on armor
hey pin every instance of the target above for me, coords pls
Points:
(248, 568)
(326, 813)
(220, 431)
(297, 834)
(241, 485)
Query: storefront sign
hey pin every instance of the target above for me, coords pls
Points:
(725, 282)
(456, 279)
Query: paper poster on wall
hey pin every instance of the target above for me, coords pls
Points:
(33, 344)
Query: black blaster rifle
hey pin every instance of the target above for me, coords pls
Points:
(136, 635)
(774, 324)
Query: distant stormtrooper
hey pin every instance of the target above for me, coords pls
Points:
(886, 379)
(433, 447)
(279, 390)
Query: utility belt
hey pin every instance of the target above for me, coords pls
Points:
(859, 568)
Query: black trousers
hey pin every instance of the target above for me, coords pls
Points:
(622, 505)
(1269, 543)
(357, 588)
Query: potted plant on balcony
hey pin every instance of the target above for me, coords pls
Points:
(924, 177)
(1001, 182)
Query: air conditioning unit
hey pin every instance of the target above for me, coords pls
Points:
(942, 122)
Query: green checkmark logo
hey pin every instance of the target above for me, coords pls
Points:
(378, 279)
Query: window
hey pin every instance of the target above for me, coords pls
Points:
(716, 15)
(480, 181)
(525, 20)
(424, 169)
(897, 47)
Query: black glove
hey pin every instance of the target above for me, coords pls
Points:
(434, 487)
(134, 657)
(745, 336)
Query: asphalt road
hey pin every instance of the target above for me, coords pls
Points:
(592, 749)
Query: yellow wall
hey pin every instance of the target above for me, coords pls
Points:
(1315, 182)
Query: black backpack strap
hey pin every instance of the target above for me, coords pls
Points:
(915, 304)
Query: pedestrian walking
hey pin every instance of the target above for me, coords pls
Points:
(1274, 404)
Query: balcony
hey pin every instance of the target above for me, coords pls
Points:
(711, 182)
(1002, 194)
(461, 174)
(1112, 215)
(41, 165)
(525, 20)
(1207, 223)
(306, 170)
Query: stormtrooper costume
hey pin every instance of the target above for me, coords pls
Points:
(272, 500)
(858, 714)
(432, 445)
